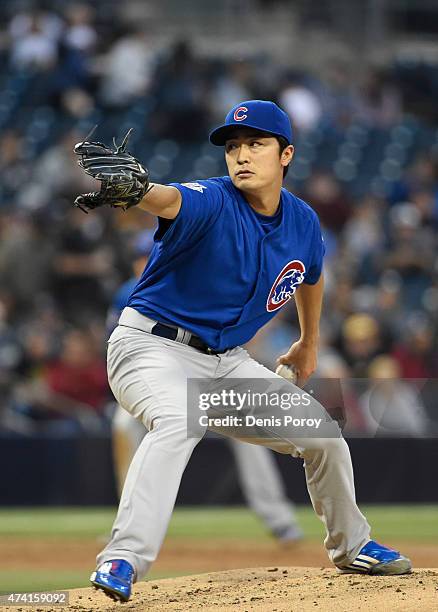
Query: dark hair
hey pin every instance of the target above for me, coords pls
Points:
(283, 143)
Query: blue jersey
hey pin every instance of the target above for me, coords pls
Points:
(221, 270)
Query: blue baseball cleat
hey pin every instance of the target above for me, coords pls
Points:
(115, 577)
(377, 560)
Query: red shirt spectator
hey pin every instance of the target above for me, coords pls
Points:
(416, 354)
(80, 372)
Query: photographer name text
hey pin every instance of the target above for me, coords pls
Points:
(253, 421)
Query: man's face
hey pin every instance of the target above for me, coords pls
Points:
(253, 159)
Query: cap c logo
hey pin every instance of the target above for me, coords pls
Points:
(239, 113)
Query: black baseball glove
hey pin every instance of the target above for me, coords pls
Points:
(123, 180)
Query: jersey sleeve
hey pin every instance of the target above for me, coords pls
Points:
(317, 251)
(201, 203)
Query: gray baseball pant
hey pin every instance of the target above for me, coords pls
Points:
(140, 368)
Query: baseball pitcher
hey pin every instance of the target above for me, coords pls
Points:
(229, 253)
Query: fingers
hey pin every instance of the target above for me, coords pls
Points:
(290, 372)
(301, 372)
(283, 359)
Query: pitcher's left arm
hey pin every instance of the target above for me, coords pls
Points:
(303, 354)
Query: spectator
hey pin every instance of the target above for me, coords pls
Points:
(126, 69)
(415, 353)
(26, 256)
(76, 103)
(11, 356)
(363, 233)
(34, 45)
(57, 173)
(70, 393)
(333, 387)
(80, 33)
(50, 24)
(11, 352)
(411, 253)
(300, 103)
(379, 102)
(14, 171)
(328, 199)
(337, 97)
(180, 109)
(233, 86)
(339, 301)
(388, 307)
(392, 407)
(360, 343)
(70, 73)
(80, 373)
(80, 268)
(422, 174)
(425, 200)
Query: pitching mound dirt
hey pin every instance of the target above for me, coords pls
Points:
(271, 589)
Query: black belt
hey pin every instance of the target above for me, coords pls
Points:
(167, 331)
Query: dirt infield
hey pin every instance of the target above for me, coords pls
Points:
(188, 556)
(299, 577)
(271, 589)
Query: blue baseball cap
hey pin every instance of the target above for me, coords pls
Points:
(258, 114)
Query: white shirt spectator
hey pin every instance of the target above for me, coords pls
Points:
(49, 23)
(302, 105)
(34, 40)
(81, 37)
(80, 33)
(127, 70)
(34, 51)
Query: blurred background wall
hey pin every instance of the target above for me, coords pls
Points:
(360, 82)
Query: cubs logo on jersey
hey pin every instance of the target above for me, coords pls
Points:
(285, 285)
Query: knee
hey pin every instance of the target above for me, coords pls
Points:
(125, 423)
(173, 430)
(335, 448)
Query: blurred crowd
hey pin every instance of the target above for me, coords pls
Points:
(60, 269)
